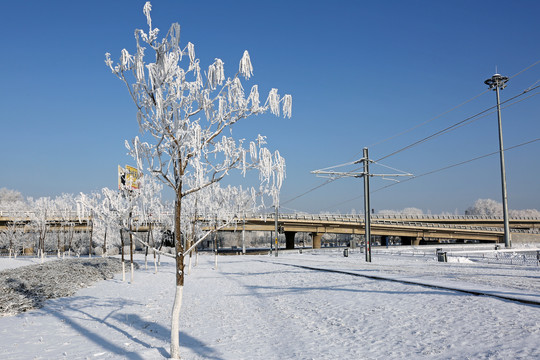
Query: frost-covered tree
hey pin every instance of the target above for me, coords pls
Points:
(406, 211)
(13, 207)
(10, 196)
(151, 210)
(114, 208)
(489, 207)
(184, 114)
(485, 207)
(65, 207)
(39, 220)
(10, 237)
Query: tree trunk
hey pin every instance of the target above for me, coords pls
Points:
(153, 247)
(90, 244)
(122, 254)
(215, 250)
(130, 247)
(104, 243)
(42, 244)
(71, 234)
(58, 244)
(146, 249)
(179, 249)
(175, 326)
(190, 256)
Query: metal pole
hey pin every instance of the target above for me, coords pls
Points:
(367, 212)
(244, 235)
(499, 82)
(276, 231)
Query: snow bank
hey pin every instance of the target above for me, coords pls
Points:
(27, 287)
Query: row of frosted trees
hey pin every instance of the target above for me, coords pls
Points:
(110, 222)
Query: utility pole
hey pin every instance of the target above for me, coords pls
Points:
(366, 175)
(276, 231)
(497, 82)
(244, 235)
(367, 212)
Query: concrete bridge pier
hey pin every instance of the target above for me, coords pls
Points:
(409, 240)
(316, 240)
(289, 239)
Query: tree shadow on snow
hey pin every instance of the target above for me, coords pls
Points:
(162, 333)
(73, 312)
(271, 291)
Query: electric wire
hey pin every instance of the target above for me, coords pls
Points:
(310, 190)
(453, 127)
(532, 87)
(459, 164)
(527, 68)
(434, 171)
(456, 125)
(425, 122)
(449, 110)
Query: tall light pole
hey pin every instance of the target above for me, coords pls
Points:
(497, 82)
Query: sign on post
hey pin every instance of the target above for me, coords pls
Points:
(128, 178)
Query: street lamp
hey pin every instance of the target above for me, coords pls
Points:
(497, 82)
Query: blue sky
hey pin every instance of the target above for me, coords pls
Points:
(359, 72)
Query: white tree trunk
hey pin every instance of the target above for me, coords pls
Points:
(132, 273)
(175, 323)
(215, 261)
(196, 258)
(155, 263)
(123, 271)
(189, 265)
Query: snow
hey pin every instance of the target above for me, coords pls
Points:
(261, 306)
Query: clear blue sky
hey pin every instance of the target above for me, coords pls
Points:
(359, 72)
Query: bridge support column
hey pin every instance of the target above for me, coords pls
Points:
(289, 239)
(416, 241)
(316, 240)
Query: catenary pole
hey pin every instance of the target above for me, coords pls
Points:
(276, 231)
(244, 235)
(367, 212)
(498, 82)
(366, 175)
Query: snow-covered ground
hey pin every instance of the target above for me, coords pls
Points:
(267, 307)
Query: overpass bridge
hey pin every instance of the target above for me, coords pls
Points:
(412, 229)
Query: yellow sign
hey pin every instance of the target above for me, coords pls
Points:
(128, 178)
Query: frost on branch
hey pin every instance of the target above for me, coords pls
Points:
(245, 69)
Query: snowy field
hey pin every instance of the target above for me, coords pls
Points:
(267, 307)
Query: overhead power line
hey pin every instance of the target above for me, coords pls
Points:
(455, 126)
(461, 163)
(459, 123)
(527, 68)
(447, 111)
(434, 171)
(427, 121)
